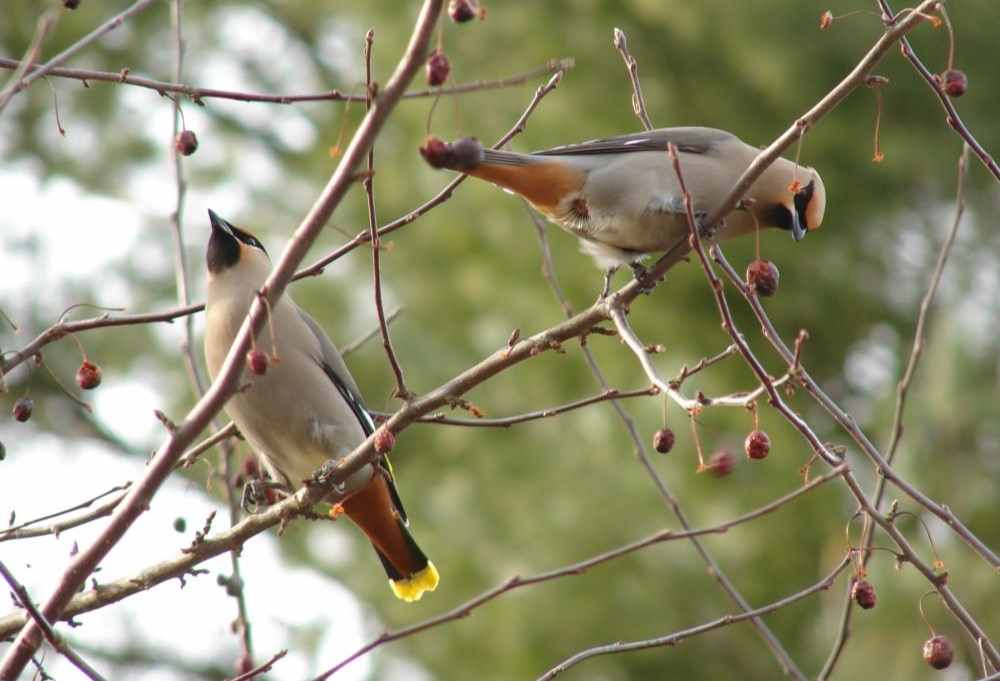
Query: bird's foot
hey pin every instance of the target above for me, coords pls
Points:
(258, 494)
(641, 274)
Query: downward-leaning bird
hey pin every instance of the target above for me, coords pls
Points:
(621, 196)
(305, 408)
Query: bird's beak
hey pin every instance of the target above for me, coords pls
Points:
(218, 224)
(798, 229)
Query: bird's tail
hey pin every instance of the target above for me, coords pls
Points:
(376, 511)
(543, 180)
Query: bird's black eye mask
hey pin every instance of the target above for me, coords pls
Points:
(224, 244)
(802, 199)
(248, 239)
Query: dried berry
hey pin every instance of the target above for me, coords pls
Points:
(462, 11)
(438, 68)
(721, 464)
(757, 444)
(186, 142)
(463, 155)
(663, 440)
(23, 408)
(71, 4)
(954, 82)
(88, 376)
(180, 524)
(938, 652)
(384, 441)
(762, 277)
(257, 361)
(863, 593)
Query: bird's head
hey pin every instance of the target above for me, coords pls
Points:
(777, 205)
(231, 249)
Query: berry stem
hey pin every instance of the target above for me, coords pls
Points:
(83, 351)
(951, 37)
(923, 615)
(270, 327)
(697, 444)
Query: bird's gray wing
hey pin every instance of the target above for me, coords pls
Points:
(330, 355)
(333, 365)
(691, 140)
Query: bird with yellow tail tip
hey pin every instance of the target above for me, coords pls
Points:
(621, 197)
(303, 408)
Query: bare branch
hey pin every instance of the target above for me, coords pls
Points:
(672, 639)
(632, 67)
(197, 94)
(62, 57)
(933, 82)
(24, 530)
(465, 609)
(54, 639)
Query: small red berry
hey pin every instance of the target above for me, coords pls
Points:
(257, 361)
(863, 593)
(757, 444)
(721, 464)
(23, 408)
(438, 68)
(462, 11)
(88, 376)
(825, 20)
(384, 441)
(663, 440)
(435, 151)
(762, 277)
(938, 652)
(954, 82)
(186, 142)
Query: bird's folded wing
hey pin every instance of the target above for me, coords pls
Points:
(690, 140)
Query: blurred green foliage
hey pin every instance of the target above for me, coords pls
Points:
(489, 504)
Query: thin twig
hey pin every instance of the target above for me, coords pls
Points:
(45, 24)
(465, 609)
(62, 57)
(198, 94)
(54, 639)
(373, 232)
(508, 421)
(933, 82)
(632, 67)
(22, 531)
(676, 637)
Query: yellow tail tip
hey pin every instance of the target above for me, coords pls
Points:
(412, 588)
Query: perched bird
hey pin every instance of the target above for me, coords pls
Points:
(306, 407)
(621, 196)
